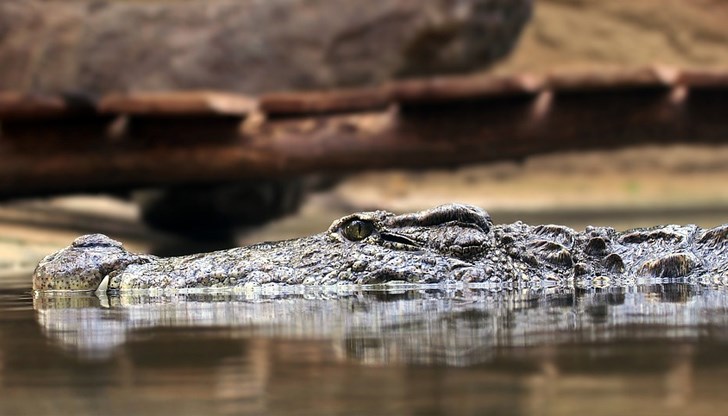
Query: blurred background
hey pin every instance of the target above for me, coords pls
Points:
(181, 125)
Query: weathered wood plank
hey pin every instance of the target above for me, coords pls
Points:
(612, 79)
(704, 78)
(177, 103)
(449, 89)
(319, 102)
(16, 105)
(442, 135)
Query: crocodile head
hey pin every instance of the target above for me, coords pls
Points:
(445, 244)
(436, 245)
(448, 243)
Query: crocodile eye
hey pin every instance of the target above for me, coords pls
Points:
(358, 230)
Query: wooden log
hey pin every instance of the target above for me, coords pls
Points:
(181, 139)
(16, 105)
(444, 135)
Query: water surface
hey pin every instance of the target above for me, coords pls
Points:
(651, 349)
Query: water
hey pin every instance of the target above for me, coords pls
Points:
(654, 349)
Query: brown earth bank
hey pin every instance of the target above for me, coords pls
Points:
(594, 34)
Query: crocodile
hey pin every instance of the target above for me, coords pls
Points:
(448, 244)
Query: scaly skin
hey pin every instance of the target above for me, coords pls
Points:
(447, 244)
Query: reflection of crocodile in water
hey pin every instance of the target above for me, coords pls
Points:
(447, 244)
(460, 326)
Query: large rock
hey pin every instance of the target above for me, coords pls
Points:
(247, 45)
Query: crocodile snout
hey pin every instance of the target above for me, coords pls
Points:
(82, 265)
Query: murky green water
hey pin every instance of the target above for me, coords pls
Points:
(657, 349)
